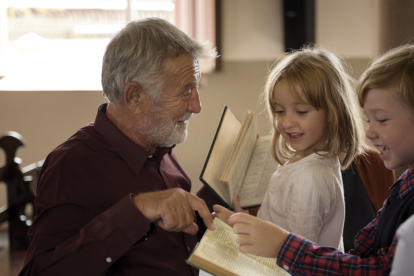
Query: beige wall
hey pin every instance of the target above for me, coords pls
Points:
(253, 30)
(252, 34)
(347, 26)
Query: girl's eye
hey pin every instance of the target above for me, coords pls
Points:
(301, 112)
(382, 121)
(279, 111)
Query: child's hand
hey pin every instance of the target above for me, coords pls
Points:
(236, 204)
(222, 213)
(256, 236)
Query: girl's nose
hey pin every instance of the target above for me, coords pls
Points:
(288, 121)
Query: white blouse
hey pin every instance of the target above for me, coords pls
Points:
(307, 198)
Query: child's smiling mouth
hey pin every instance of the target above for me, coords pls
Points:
(294, 136)
(383, 149)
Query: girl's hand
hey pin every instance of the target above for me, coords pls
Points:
(256, 236)
(236, 204)
(222, 213)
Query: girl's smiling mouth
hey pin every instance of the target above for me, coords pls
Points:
(294, 136)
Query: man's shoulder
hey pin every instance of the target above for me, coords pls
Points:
(84, 142)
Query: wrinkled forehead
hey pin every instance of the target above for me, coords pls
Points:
(183, 65)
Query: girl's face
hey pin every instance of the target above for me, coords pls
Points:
(299, 122)
(391, 127)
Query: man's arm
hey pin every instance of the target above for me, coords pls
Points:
(58, 249)
(71, 236)
(173, 210)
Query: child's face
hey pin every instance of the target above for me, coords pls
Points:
(299, 122)
(391, 127)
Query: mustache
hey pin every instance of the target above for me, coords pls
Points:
(186, 116)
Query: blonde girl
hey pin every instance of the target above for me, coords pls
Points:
(317, 131)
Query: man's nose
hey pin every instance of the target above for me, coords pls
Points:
(194, 103)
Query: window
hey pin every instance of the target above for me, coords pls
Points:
(59, 44)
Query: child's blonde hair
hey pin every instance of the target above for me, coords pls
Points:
(320, 77)
(395, 67)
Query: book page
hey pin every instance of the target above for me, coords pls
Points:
(261, 168)
(235, 152)
(220, 247)
(229, 164)
(219, 153)
(243, 159)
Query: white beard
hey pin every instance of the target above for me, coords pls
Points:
(159, 130)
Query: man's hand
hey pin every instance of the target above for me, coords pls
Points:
(173, 210)
(256, 236)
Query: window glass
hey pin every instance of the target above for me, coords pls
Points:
(59, 44)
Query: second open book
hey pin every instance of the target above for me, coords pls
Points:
(238, 161)
(219, 254)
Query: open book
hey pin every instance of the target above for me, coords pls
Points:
(218, 253)
(238, 162)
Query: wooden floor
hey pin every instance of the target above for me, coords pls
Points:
(11, 261)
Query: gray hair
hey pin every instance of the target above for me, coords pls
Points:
(136, 53)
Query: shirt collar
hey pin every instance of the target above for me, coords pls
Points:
(130, 152)
(407, 183)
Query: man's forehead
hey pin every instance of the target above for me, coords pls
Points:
(182, 64)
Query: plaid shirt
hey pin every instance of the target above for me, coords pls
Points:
(300, 256)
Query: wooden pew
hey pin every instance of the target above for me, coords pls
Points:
(19, 194)
(21, 186)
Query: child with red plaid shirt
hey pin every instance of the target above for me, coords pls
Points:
(386, 92)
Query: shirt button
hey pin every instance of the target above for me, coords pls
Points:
(109, 259)
(150, 156)
(285, 267)
(188, 248)
(146, 239)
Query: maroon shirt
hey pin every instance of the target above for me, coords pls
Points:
(86, 221)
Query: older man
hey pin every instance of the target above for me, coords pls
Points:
(113, 199)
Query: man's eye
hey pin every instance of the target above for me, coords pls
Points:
(302, 112)
(188, 92)
(382, 121)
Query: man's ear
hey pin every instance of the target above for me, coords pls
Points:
(134, 96)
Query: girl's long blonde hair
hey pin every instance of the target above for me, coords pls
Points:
(320, 77)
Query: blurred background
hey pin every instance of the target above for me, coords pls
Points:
(51, 56)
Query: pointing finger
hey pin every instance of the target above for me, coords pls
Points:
(200, 206)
